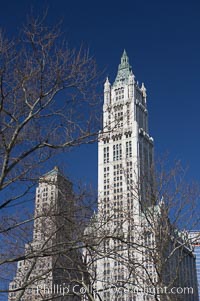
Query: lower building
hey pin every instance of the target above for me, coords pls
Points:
(50, 266)
(195, 242)
(171, 263)
(149, 261)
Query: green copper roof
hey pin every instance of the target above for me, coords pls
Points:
(52, 172)
(124, 69)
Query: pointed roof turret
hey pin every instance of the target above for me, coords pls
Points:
(144, 90)
(124, 69)
(107, 80)
(107, 83)
(131, 78)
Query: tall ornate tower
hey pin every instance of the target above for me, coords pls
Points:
(125, 155)
(125, 150)
(128, 234)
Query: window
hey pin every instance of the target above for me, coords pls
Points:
(128, 134)
(128, 149)
(106, 154)
(119, 119)
(117, 152)
(119, 94)
(128, 117)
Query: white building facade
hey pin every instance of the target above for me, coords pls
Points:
(126, 254)
(125, 157)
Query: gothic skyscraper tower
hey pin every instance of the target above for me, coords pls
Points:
(125, 147)
(129, 226)
(125, 156)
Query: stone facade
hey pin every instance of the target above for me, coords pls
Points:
(127, 262)
(49, 266)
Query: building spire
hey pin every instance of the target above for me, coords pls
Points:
(144, 90)
(107, 92)
(124, 69)
(107, 83)
(124, 60)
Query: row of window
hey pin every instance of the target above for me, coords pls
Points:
(119, 93)
(117, 137)
(45, 188)
(120, 97)
(118, 108)
(117, 152)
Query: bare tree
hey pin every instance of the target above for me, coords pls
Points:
(48, 101)
(47, 97)
(51, 267)
(47, 94)
(150, 251)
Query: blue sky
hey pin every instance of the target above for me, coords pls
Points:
(162, 39)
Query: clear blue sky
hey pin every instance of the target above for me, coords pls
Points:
(162, 39)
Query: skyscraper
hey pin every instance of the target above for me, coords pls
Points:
(126, 260)
(124, 144)
(49, 266)
(125, 158)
